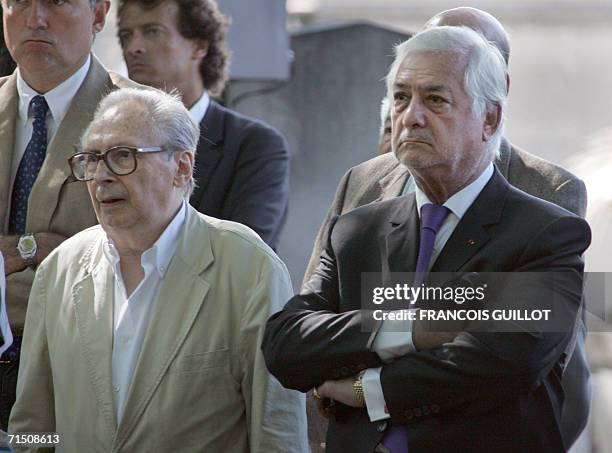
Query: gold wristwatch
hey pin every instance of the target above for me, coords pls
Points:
(358, 389)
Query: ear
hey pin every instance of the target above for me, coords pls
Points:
(100, 10)
(184, 168)
(491, 122)
(200, 49)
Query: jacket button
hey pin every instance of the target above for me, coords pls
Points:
(381, 427)
(435, 408)
(344, 371)
(417, 412)
(426, 410)
(409, 414)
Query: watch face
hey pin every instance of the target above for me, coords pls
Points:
(27, 244)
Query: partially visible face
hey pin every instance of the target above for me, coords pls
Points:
(384, 144)
(155, 52)
(432, 125)
(143, 201)
(51, 38)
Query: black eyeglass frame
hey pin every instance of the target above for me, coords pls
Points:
(134, 151)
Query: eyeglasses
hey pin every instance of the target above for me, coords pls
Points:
(121, 160)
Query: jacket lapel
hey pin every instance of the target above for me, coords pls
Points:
(95, 326)
(402, 241)
(471, 233)
(210, 150)
(9, 101)
(55, 170)
(179, 302)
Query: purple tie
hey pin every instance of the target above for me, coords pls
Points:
(432, 218)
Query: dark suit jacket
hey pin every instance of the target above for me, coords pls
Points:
(383, 178)
(482, 392)
(242, 172)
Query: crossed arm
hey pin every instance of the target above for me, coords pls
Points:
(310, 342)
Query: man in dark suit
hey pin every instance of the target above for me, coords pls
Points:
(384, 177)
(427, 391)
(242, 165)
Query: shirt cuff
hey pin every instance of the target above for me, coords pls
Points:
(373, 395)
(393, 339)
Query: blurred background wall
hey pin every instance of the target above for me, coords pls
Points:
(560, 94)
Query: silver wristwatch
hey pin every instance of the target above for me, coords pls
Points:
(27, 249)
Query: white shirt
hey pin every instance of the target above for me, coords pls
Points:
(131, 315)
(391, 340)
(58, 99)
(4, 322)
(198, 110)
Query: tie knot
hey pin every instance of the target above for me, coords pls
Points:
(432, 216)
(39, 107)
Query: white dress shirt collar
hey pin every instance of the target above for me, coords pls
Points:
(58, 99)
(198, 110)
(162, 251)
(460, 202)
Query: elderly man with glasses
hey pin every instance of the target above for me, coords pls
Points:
(143, 332)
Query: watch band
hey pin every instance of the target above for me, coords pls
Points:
(358, 389)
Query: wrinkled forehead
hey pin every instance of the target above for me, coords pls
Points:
(432, 66)
(126, 123)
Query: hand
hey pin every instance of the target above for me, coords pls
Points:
(325, 407)
(341, 391)
(46, 243)
(12, 258)
(428, 340)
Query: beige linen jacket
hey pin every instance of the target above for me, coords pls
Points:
(57, 203)
(200, 383)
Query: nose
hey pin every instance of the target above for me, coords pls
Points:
(134, 45)
(37, 15)
(414, 114)
(102, 175)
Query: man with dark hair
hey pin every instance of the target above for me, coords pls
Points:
(242, 165)
(44, 107)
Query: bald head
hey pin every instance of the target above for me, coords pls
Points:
(478, 20)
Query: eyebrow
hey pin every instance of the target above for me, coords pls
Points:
(436, 89)
(442, 89)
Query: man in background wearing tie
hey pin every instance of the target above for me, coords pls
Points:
(45, 106)
(242, 164)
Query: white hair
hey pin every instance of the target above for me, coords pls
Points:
(170, 121)
(485, 74)
(385, 111)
